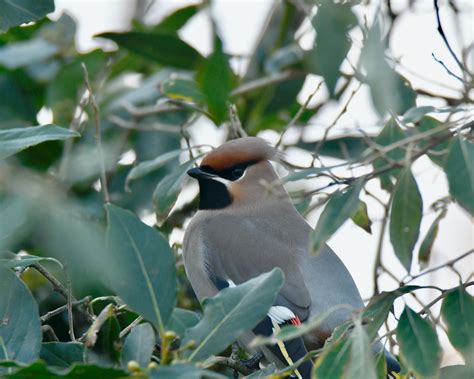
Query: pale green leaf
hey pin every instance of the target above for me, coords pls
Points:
(361, 217)
(458, 315)
(405, 217)
(231, 312)
(340, 207)
(139, 345)
(167, 191)
(419, 345)
(361, 362)
(459, 169)
(20, 327)
(13, 141)
(332, 24)
(426, 246)
(146, 167)
(17, 12)
(141, 266)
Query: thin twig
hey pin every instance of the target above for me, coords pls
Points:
(155, 127)
(333, 124)
(298, 114)
(445, 39)
(267, 81)
(57, 285)
(449, 263)
(378, 254)
(129, 327)
(63, 308)
(447, 69)
(98, 138)
(69, 306)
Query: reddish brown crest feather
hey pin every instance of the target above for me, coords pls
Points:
(238, 151)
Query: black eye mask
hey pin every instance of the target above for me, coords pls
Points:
(232, 173)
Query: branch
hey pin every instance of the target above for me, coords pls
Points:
(298, 114)
(57, 285)
(62, 308)
(447, 69)
(449, 263)
(129, 327)
(155, 127)
(95, 109)
(443, 35)
(267, 81)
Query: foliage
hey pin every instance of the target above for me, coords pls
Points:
(88, 290)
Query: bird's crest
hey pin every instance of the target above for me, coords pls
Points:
(234, 152)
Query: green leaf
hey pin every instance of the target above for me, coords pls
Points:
(27, 260)
(167, 191)
(379, 307)
(331, 364)
(427, 124)
(216, 80)
(339, 208)
(405, 217)
(182, 319)
(161, 47)
(139, 345)
(13, 141)
(381, 365)
(20, 327)
(25, 53)
(17, 12)
(182, 88)
(458, 314)
(183, 371)
(456, 372)
(424, 252)
(142, 266)
(419, 345)
(361, 217)
(459, 169)
(231, 312)
(390, 134)
(62, 354)
(361, 363)
(38, 370)
(176, 20)
(389, 90)
(146, 167)
(332, 24)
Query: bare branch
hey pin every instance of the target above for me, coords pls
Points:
(98, 138)
(445, 39)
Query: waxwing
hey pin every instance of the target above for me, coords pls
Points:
(242, 230)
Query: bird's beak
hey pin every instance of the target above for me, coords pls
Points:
(198, 174)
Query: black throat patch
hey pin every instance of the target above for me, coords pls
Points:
(213, 194)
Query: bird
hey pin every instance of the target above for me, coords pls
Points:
(243, 229)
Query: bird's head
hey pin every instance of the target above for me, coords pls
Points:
(233, 174)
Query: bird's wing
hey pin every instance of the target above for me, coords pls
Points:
(238, 249)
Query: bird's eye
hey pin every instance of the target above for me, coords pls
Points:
(237, 172)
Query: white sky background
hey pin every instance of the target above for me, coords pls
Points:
(413, 41)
